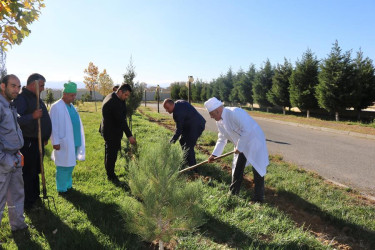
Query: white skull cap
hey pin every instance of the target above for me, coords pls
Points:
(212, 104)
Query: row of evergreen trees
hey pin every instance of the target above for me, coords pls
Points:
(335, 83)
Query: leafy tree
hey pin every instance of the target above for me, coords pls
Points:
(233, 97)
(279, 92)
(246, 86)
(168, 203)
(225, 85)
(205, 88)
(49, 97)
(196, 90)
(135, 99)
(105, 83)
(303, 82)
(336, 81)
(364, 91)
(183, 93)
(91, 77)
(234, 93)
(263, 84)
(175, 90)
(86, 97)
(15, 16)
(214, 86)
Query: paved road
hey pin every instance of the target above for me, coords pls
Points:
(345, 159)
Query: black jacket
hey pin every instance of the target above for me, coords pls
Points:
(114, 118)
(26, 105)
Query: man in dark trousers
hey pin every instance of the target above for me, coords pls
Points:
(28, 121)
(113, 126)
(189, 125)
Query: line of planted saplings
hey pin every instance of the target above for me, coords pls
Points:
(302, 214)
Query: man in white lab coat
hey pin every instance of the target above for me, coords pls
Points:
(68, 138)
(236, 125)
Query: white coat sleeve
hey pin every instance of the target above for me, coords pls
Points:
(220, 144)
(55, 119)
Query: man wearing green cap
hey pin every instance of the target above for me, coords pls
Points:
(67, 137)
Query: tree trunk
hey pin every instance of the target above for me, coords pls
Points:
(308, 113)
(268, 109)
(161, 245)
(337, 116)
(252, 107)
(359, 115)
(283, 110)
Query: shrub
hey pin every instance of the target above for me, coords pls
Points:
(168, 204)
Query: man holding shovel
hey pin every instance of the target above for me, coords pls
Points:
(26, 104)
(236, 125)
(11, 141)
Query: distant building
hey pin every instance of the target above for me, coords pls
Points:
(57, 94)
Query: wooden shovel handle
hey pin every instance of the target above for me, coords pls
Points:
(206, 161)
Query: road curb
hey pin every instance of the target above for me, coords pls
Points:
(331, 130)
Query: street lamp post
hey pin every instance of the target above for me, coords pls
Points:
(191, 79)
(145, 97)
(157, 95)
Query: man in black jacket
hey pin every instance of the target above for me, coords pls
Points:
(28, 121)
(113, 126)
(189, 125)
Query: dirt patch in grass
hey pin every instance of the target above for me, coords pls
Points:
(323, 230)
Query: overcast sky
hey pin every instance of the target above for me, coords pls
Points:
(172, 39)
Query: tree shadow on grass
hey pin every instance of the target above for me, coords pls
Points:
(365, 236)
(57, 233)
(223, 233)
(301, 211)
(23, 240)
(107, 218)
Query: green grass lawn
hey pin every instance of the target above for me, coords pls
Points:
(94, 215)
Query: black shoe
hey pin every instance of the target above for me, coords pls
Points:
(114, 179)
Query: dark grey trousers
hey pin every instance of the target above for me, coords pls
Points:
(238, 177)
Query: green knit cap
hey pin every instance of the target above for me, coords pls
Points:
(70, 87)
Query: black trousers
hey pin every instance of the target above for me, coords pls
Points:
(238, 177)
(187, 142)
(31, 170)
(110, 158)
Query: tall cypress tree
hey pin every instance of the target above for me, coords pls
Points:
(196, 90)
(246, 93)
(263, 84)
(175, 90)
(279, 92)
(303, 82)
(364, 91)
(336, 81)
(238, 80)
(135, 99)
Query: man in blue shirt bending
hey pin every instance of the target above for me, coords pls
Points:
(189, 126)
